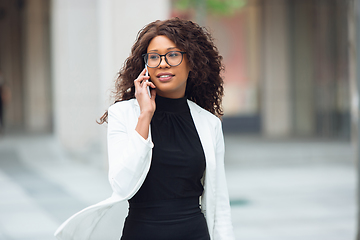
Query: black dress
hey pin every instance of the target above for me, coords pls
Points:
(167, 204)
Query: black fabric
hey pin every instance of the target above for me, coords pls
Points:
(178, 160)
(167, 204)
(175, 219)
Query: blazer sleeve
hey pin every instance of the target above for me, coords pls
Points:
(223, 228)
(129, 153)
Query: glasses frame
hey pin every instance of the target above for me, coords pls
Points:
(163, 55)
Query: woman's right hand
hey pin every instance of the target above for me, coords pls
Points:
(147, 104)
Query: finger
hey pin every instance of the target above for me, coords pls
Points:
(149, 84)
(142, 73)
(139, 81)
(142, 78)
(152, 85)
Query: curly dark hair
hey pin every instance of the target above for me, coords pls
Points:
(204, 84)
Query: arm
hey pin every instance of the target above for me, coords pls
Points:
(223, 226)
(129, 146)
(147, 104)
(128, 152)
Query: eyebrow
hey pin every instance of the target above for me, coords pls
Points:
(170, 48)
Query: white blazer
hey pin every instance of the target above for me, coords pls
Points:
(129, 163)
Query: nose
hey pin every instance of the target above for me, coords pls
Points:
(163, 63)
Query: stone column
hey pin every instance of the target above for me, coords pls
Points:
(303, 68)
(75, 74)
(275, 85)
(37, 91)
(91, 40)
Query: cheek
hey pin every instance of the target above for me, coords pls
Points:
(187, 69)
(186, 72)
(186, 75)
(151, 73)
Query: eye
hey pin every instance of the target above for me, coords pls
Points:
(173, 54)
(153, 56)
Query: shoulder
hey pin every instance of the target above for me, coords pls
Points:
(122, 106)
(205, 114)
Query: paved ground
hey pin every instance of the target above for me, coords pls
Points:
(279, 190)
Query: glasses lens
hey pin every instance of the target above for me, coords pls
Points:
(152, 59)
(174, 58)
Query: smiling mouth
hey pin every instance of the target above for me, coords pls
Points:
(165, 77)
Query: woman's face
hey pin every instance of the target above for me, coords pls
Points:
(170, 81)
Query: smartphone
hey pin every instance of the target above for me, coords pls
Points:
(147, 74)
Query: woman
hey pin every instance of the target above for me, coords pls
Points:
(166, 152)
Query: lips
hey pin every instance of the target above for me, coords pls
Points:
(165, 76)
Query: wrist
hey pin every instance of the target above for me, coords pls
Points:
(146, 115)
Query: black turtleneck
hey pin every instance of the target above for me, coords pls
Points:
(178, 160)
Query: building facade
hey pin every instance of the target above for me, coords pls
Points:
(286, 65)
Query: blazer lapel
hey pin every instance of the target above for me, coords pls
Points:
(204, 131)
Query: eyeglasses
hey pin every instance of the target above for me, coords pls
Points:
(173, 58)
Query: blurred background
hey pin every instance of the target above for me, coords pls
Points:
(290, 92)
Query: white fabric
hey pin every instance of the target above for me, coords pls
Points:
(129, 163)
